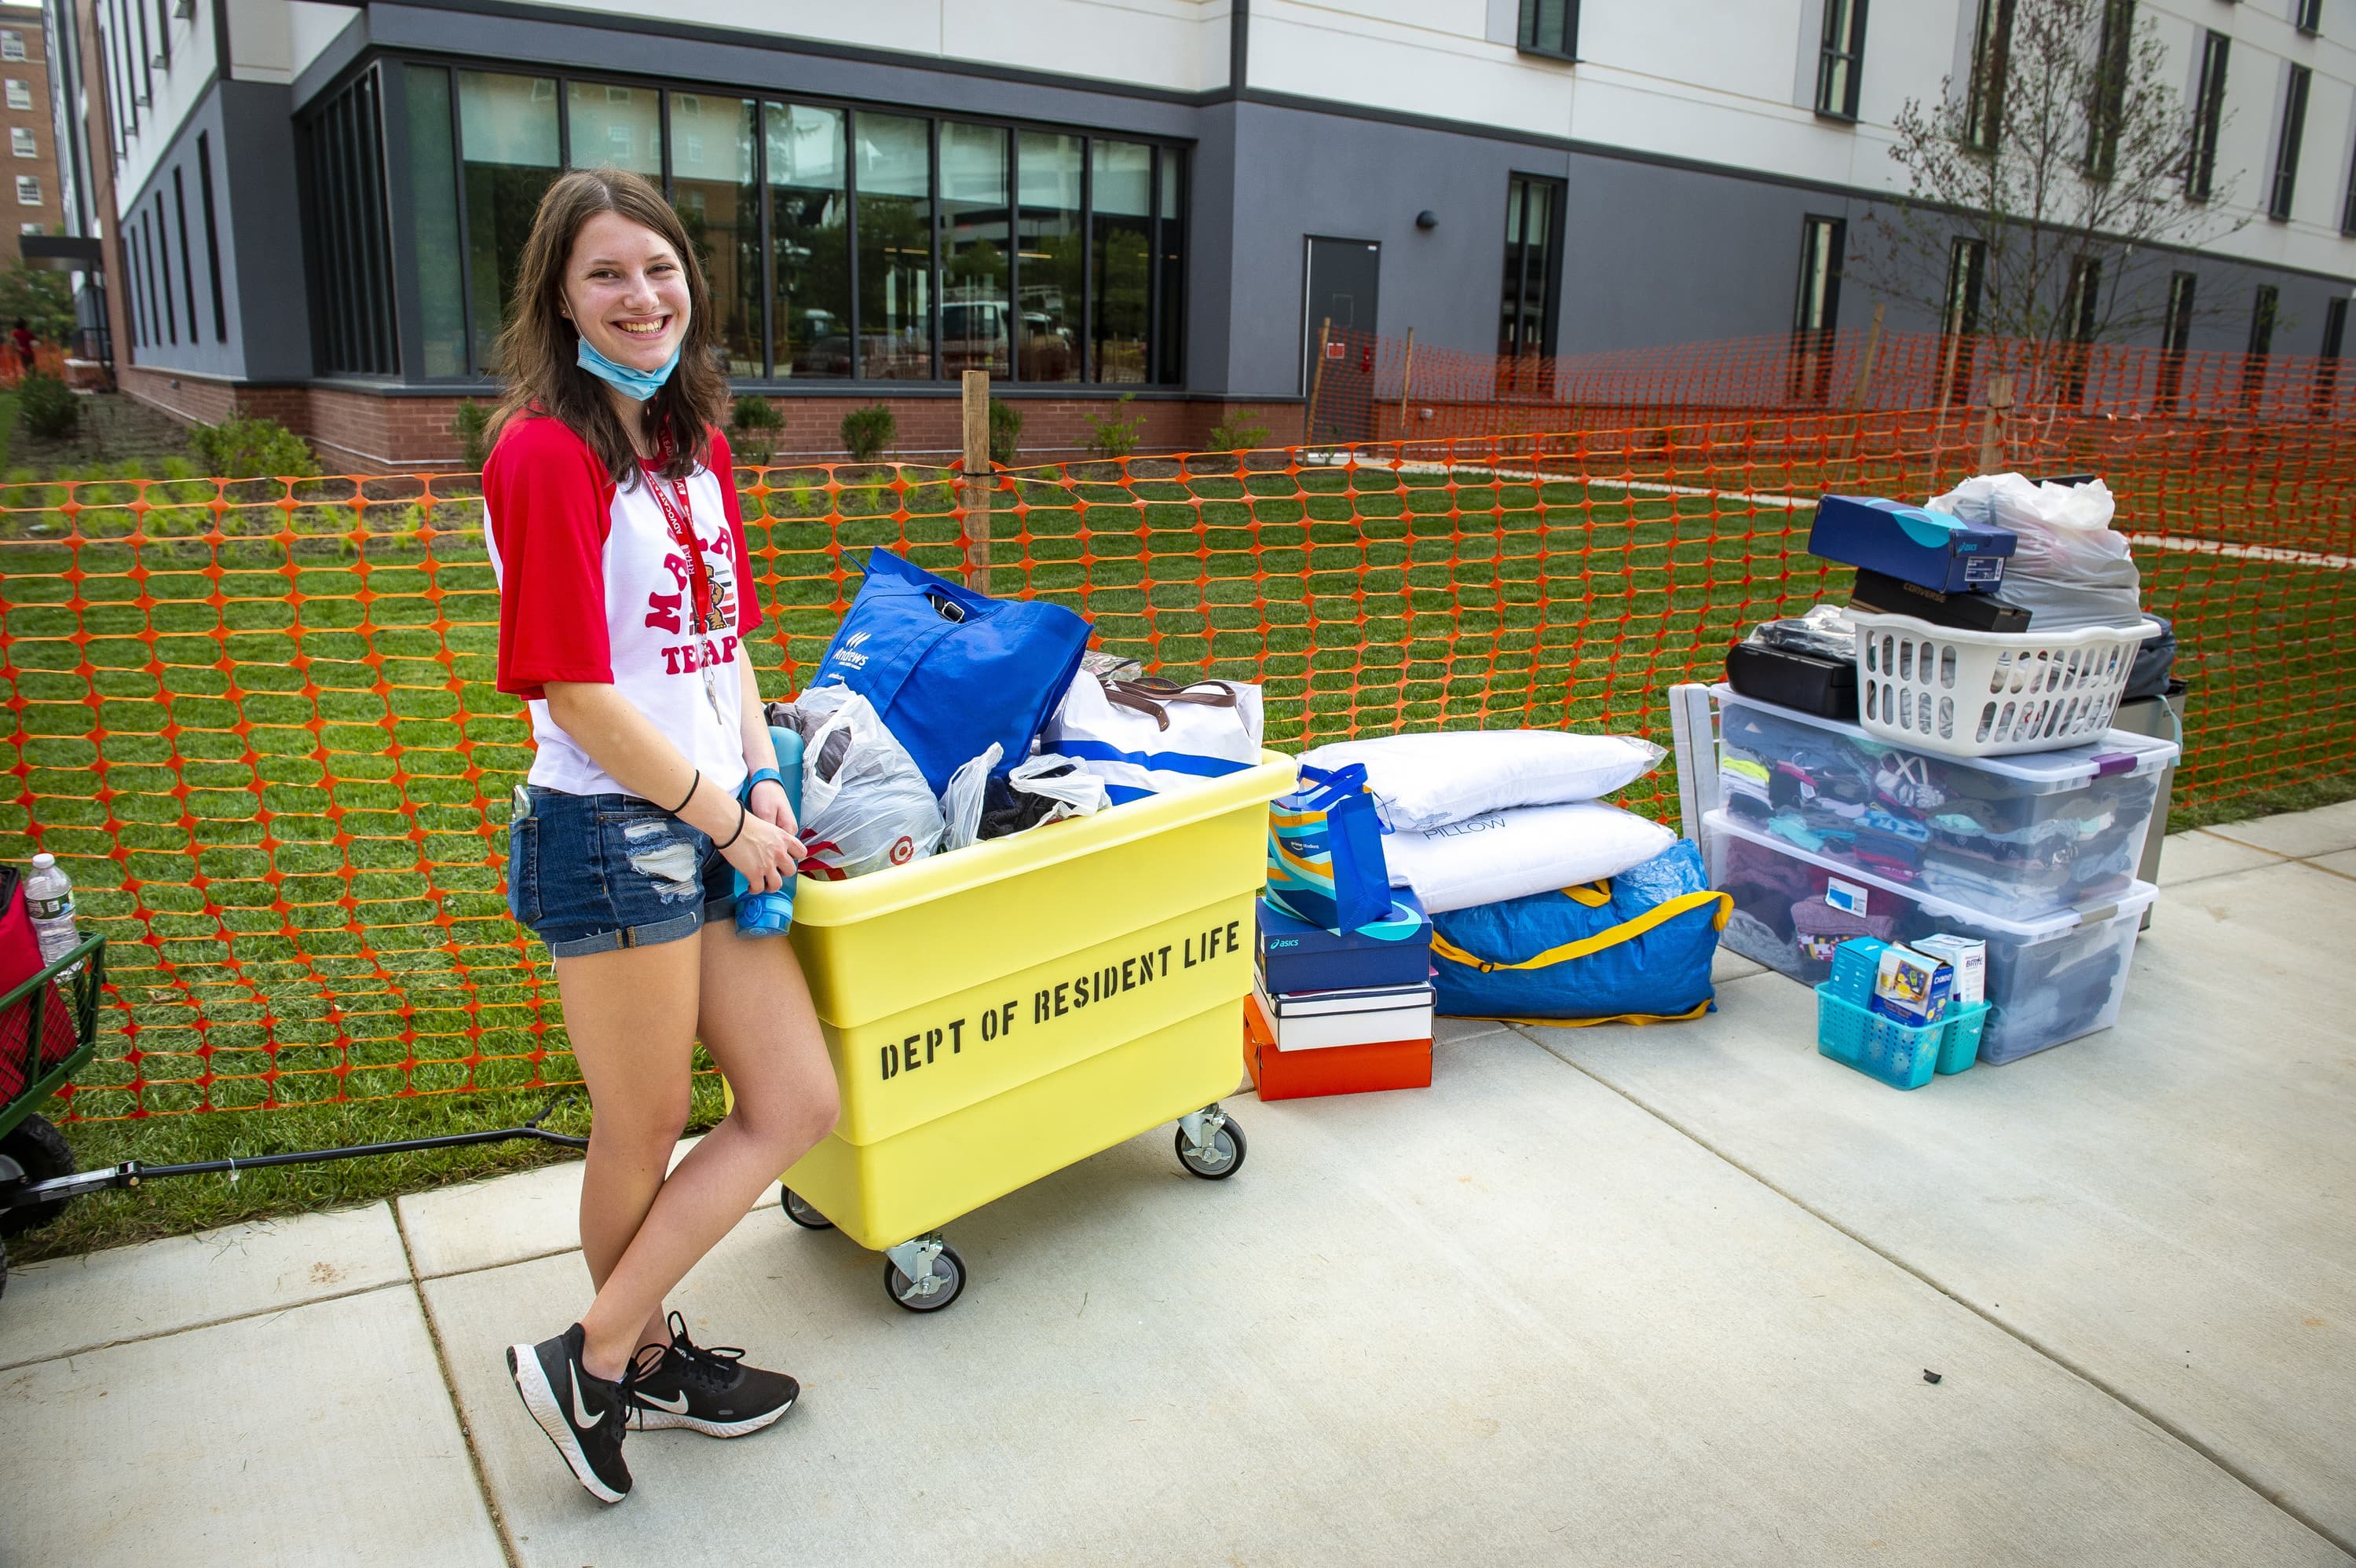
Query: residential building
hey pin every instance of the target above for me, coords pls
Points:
(320, 206)
(28, 148)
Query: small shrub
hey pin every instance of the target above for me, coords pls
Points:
(867, 432)
(472, 425)
(1236, 433)
(1113, 436)
(1005, 432)
(752, 427)
(252, 449)
(46, 407)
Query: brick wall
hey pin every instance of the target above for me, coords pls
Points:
(358, 432)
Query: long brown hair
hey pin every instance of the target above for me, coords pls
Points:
(538, 349)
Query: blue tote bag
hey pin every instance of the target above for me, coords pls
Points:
(949, 670)
(1325, 859)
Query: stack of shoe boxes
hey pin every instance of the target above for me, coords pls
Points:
(1341, 1012)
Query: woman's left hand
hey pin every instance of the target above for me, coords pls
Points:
(773, 808)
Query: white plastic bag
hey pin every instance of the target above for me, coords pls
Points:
(1513, 854)
(1078, 793)
(865, 803)
(961, 802)
(1426, 780)
(2070, 570)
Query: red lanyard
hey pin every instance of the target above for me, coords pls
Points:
(679, 514)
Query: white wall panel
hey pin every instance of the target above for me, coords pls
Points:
(178, 88)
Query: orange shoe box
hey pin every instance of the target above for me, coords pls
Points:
(1337, 1069)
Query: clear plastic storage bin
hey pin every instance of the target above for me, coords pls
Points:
(2022, 835)
(2051, 978)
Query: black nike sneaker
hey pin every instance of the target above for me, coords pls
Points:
(584, 1414)
(707, 1389)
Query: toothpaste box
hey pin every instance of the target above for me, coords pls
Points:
(1967, 956)
(1929, 549)
(1913, 986)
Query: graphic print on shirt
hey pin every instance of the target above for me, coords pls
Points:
(673, 612)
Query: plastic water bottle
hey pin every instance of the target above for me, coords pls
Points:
(48, 898)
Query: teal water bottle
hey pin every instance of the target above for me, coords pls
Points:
(772, 914)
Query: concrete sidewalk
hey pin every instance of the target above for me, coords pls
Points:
(1602, 1296)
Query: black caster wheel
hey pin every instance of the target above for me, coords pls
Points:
(1222, 1159)
(35, 1151)
(948, 1274)
(800, 1213)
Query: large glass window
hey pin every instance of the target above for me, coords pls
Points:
(1053, 276)
(894, 178)
(2208, 115)
(837, 242)
(433, 194)
(614, 127)
(2114, 62)
(810, 248)
(1991, 65)
(1549, 28)
(1122, 202)
(976, 327)
(508, 136)
(2293, 131)
(711, 155)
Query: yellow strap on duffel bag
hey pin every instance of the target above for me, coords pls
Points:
(1594, 895)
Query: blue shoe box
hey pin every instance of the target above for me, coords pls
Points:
(1297, 956)
(1929, 549)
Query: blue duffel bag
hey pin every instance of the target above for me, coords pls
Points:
(1635, 949)
(949, 670)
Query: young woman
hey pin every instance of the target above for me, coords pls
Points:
(625, 597)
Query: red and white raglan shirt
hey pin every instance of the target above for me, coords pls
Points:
(593, 589)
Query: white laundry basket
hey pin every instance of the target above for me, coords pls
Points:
(1989, 694)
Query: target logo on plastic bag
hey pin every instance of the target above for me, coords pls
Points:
(902, 850)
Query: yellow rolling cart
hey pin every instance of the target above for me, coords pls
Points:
(1001, 1012)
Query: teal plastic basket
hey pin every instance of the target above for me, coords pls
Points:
(1882, 1048)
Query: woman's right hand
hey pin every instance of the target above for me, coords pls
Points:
(765, 854)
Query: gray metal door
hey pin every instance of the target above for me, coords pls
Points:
(1342, 275)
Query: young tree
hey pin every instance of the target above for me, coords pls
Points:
(2042, 187)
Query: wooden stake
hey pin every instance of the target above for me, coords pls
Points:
(2000, 399)
(1316, 384)
(977, 480)
(1872, 351)
(1406, 379)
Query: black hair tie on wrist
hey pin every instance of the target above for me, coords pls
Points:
(740, 814)
(693, 784)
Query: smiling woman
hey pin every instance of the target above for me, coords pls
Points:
(625, 594)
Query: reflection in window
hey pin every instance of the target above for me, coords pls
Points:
(1053, 272)
(1122, 206)
(1168, 361)
(896, 247)
(1525, 324)
(717, 199)
(507, 134)
(616, 127)
(975, 330)
(433, 194)
(811, 243)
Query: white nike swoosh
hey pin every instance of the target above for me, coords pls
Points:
(581, 1416)
(676, 1406)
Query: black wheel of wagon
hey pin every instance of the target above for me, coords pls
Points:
(799, 1210)
(40, 1151)
(948, 1268)
(1221, 1160)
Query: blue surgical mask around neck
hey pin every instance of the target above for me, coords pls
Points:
(638, 384)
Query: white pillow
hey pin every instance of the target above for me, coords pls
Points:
(1424, 781)
(1513, 854)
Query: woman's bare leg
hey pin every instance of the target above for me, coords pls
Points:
(756, 1020)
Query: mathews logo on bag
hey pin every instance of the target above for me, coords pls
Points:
(849, 656)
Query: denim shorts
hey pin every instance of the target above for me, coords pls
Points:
(589, 873)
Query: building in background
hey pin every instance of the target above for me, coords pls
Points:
(318, 209)
(29, 197)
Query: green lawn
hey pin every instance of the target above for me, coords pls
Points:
(274, 763)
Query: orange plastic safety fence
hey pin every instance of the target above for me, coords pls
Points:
(255, 718)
